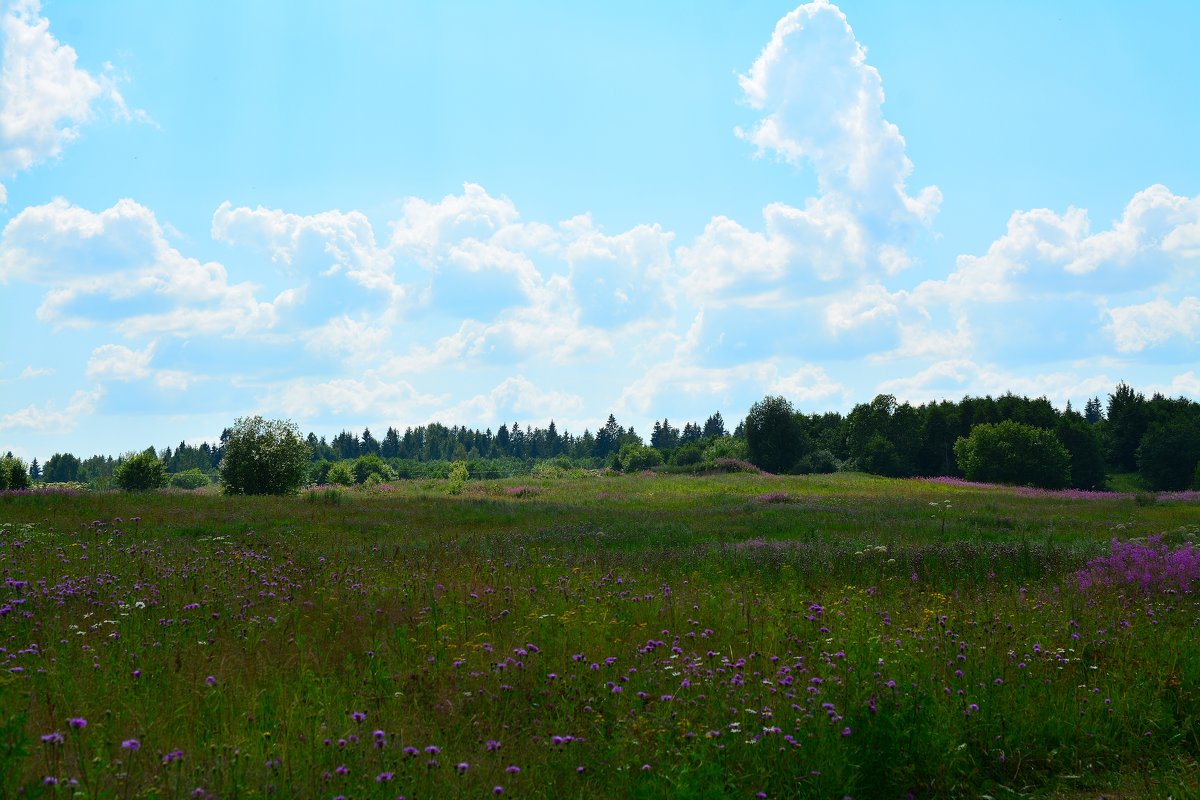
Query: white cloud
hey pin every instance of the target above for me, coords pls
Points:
(320, 244)
(809, 385)
(174, 380)
(359, 397)
(954, 378)
(35, 372)
(1134, 328)
(823, 103)
(120, 363)
(117, 266)
(1046, 253)
(47, 418)
(44, 96)
(515, 398)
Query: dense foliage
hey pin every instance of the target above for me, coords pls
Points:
(1010, 452)
(264, 457)
(13, 473)
(141, 472)
(1147, 443)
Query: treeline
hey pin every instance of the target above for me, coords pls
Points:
(1008, 439)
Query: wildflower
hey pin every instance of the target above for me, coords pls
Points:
(497, 790)
(433, 750)
(210, 680)
(512, 769)
(358, 716)
(131, 744)
(384, 777)
(492, 745)
(462, 766)
(78, 723)
(50, 780)
(53, 738)
(342, 770)
(378, 734)
(846, 732)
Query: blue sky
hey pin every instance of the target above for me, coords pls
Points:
(391, 213)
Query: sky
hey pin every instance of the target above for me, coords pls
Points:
(381, 214)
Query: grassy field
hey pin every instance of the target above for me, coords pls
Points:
(600, 636)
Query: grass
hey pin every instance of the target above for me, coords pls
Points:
(598, 636)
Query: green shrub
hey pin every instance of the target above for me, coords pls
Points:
(340, 474)
(726, 447)
(691, 453)
(775, 435)
(193, 478)
(1014, 453)
(264, 457)
(13, 473)
(370, 464)
(459, 474)
(821, 462)
(141, 472)
(637, 457)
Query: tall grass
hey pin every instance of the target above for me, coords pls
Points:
(637, 636)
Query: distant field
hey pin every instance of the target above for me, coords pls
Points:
(599, 636)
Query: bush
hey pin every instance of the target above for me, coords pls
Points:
(775, 435)
(689, 454)
(140, 473)
(264, 457)
(637, 457)
(1169, 454)
(340, 474)
(193, 478)
(821, 462)
(318, 472)
(458, 477)
(13, 473)
(726, 447)
(371, 464)
(1014, 453)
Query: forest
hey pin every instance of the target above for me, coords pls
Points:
(1128, 442)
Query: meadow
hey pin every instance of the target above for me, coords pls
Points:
(600, 635)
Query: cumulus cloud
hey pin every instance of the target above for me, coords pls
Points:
(1137, 327)
(514, 398)
(954, 378)
(44, 96)
(120, 363)
(809, 385)
(48, 418)
(1043, 252)
(117, 267)
(319, 244)
(371, 395)
(822, 103)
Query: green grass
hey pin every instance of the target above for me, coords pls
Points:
(799, 637)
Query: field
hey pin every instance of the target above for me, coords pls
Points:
(600, 636)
